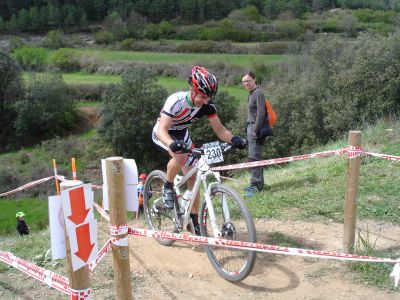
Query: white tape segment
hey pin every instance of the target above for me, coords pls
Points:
(101, 211)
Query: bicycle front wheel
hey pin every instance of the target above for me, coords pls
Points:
(234, 221)
(157, 216)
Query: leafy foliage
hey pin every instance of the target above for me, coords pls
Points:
(130, 112)
(46, 110)
(11, 89)
(31, 58)
(66, 59)
(343, 86)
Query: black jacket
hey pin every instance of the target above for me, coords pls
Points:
(22, 227)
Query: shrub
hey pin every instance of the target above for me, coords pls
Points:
(66, 59)
(104, 37)
(55, 39)
(31, 58)
(130, 112)
(342, 87)
(11, 90)
(46, 111)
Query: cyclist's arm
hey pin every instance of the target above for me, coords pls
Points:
(220, 130)
(163, 127)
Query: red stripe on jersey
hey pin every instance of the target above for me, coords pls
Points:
(182, 113)
(212, 116)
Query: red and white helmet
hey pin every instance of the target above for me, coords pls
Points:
(203, 82)
(143, 176)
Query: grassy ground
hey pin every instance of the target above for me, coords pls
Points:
(169, 83)
(243, 60)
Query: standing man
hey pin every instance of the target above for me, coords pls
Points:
(257, 130)
(171, 130)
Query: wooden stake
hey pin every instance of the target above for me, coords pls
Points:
(351, 194)
(80, 279)
(116, 199)
(55, 174)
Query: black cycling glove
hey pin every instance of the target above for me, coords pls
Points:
(238, 142)
(177, 146)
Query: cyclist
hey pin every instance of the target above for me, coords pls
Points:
(171, 130)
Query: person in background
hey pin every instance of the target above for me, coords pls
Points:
(140, 190)
(21, 225)
(171, 130)
(257, 130)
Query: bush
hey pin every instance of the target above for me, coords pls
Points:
(66, 59)
(46, 110)
(104, 37)
(342, 87)
(130, 112)
(11, 90)
(31, 58)
(55, 39)
(85, 92)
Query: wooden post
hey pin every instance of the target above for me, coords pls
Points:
(80, 279)
(118, 217)
(351, 194)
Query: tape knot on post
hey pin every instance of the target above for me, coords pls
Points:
(119, 230)
(355, 151)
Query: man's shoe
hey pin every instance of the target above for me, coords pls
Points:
(249, 191)
(168, 198)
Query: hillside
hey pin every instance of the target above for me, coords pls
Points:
(302, 207)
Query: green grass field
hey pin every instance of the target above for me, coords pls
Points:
(243, 60)
(35, 209)
(169, 83)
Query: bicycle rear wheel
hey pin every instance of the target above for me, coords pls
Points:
(235, 223)
(157, 217)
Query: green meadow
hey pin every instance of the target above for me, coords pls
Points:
(243, 60)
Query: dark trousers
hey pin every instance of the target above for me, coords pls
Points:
(255, 147)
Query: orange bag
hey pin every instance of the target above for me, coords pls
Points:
(272, 117)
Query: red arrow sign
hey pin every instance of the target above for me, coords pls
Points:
(83, 239)
(78, 207)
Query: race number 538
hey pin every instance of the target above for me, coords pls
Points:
(213, 153)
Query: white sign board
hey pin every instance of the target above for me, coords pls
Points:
(130, 183)
(57, 233)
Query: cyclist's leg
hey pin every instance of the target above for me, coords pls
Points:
(174, 165)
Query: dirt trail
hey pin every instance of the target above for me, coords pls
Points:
(184, 272)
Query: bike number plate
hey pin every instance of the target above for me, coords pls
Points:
(213, 153)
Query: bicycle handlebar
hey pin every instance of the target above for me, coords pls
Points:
(198, 152)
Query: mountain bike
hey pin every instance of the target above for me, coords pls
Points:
(223, 212)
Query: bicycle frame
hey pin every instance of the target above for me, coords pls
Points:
(202, 171)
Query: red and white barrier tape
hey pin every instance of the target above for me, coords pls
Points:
(384, 156)
(102, 253)
(264, 248)
(27, 186)
(101, 211)
(50, 278)
(86, 294)
(119, 230)
(279, 160)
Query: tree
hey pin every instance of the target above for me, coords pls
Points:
(11, 86)
(11, 90)
(129, 114)
(46, 110)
